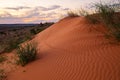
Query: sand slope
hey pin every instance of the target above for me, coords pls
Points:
(72, 50)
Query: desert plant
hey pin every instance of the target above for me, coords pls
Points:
(3, 75)
(26, 53)
(2, 58)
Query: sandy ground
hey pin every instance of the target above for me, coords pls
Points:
(72, 50)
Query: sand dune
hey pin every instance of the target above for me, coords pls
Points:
(72, 49)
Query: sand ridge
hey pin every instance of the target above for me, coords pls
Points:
(72, 50)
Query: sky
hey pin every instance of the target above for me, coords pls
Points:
(37, 11)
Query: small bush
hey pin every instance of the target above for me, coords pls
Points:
(2, 75)
(2, 58)
(26, 53)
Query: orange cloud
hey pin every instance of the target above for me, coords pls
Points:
(29, 19)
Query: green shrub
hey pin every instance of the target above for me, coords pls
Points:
(2, 75)
(26, 53)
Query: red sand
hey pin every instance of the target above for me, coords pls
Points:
(72, 50)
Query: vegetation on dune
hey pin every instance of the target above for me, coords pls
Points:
(26, 53)
(110, 16)
(107, 14)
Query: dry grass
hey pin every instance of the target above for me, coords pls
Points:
(73, 14)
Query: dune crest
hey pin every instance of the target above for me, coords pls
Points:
(72, 49)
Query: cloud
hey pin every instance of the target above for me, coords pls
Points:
(50, 8)
(54, 7)
(41, 17)
(34, 17)
(5, 15)
(17, 8)
(41, 11)
(65, 9)
(31, 14)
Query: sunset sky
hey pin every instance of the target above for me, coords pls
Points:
(36, 11)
